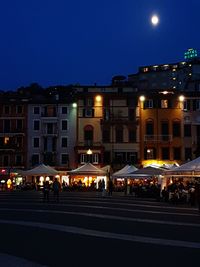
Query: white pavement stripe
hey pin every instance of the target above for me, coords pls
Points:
(94, 233)
(104, 216)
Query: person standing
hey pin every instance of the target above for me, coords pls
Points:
(56, 189)
(110, 187)
(46, 189)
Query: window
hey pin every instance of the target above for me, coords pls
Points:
(198, 104)
(64, 158)
(95, 158)
(89, 102)
(6, 160)
(188, 153)
(83, 158)
(36, 110)
(164, 103)
(7, 109)
(36, 142)
(119, 135)
(88, 112)
(187, 130)
(132, 136)
(149, 128)
(106, 136)
(177, 153)
(186, 105)
(88, 135)
(19, 124)
(176, 129)
(18, 160)
(150, 153)
(64, 110)
(35, 159)
(36, 125)
(148, 103)
(19, 109)
(6, 126)
(165, 153)
(120, 157)
(19, 142)
(64, 125)
(64, 141)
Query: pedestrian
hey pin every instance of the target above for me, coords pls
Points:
(110, 187)
(56, 189)
(46, 189)
(103, 188)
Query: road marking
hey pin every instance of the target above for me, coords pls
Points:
(104, 216)
(95, 233)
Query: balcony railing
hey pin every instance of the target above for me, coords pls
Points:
(158, 138)
(88, 143)
(50, 132)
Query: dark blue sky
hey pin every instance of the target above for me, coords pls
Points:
(54, 42)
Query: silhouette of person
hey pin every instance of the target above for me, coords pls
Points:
(56, 189)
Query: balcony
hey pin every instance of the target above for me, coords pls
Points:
(89, 144)
(53, 132)
(7, 147)
(158, 138)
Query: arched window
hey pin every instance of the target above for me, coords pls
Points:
(88, 135)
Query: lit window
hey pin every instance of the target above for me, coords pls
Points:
(6, 140)
(145, 69)
(164, 103)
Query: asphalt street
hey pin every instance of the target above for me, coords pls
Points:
(88, 229)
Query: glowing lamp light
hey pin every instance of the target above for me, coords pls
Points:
(89, 152)
(181, 98)
(41, 178)
(142, 98)
(98, 98)
(74, 105)
(47, 178)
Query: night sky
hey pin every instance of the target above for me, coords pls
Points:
(61, 42)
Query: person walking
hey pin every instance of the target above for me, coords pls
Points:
(46, 189)
(110, 187)
(56, 189)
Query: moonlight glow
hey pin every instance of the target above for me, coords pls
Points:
(154, 20)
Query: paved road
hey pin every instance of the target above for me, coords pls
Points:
(86, 229)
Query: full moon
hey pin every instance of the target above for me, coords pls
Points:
(154, 20)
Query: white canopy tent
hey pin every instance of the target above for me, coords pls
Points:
(124, 171)
(42, 170)
(190, 169)
(88, 172)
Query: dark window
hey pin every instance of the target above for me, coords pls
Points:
(7, 109)
(64, 142)
(49, 128)
(36, 110)
(18, 160)
(106, 136)
(64, 159)
(19, 109)
(106, 157)
(64, 125)
(188, 153)
(164, 128)
(165, 153)
(131, 114)
(149, 128)
(19, 142)
(6, 126)
(5, 160)
(36, 142)
(177, 153)
(132, 157)
(35, 159)
(19, 124)
(132, 136)
(187, 130)
(176, 129)
(120, 157)
(36, 125)
(64, 110)
(119, 135)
